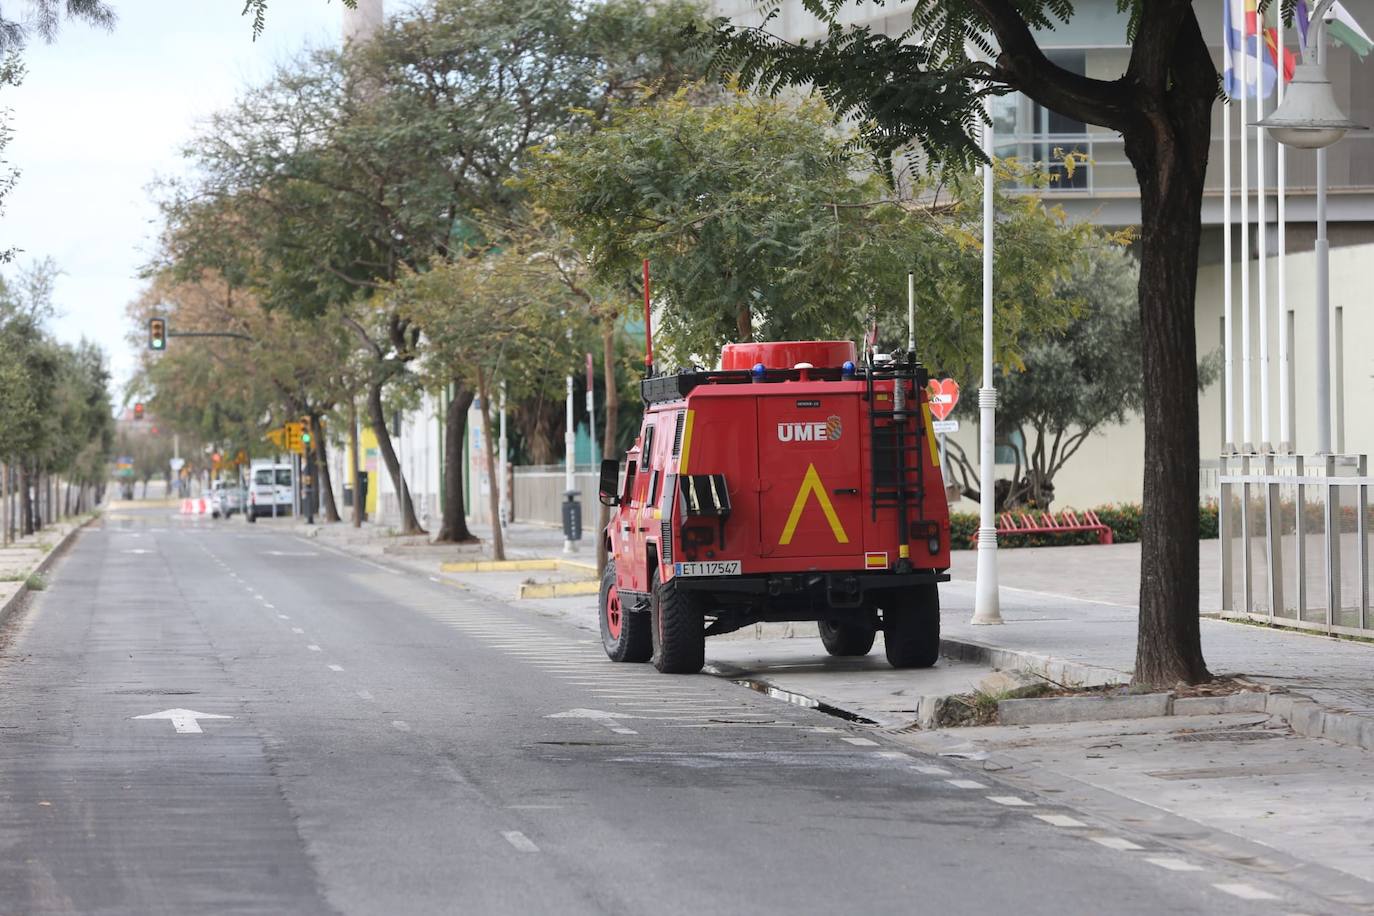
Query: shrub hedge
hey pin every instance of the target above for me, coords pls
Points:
(1122, 518)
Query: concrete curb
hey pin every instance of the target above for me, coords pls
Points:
(1057, 710)
(14, 601)
(1310, 719)
(1057, 671)
(558, 589)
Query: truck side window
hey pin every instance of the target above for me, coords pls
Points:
(627, 491)
(646, 452)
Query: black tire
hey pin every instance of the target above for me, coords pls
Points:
(847, 637)
(625, 635)
(911, 627)
(679, 631)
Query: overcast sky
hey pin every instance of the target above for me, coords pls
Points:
(102, 114)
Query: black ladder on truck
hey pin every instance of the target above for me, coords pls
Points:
(896, 436)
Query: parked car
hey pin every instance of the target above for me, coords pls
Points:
(226, 498)
(269, 487)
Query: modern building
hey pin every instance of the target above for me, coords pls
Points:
(1104, 190)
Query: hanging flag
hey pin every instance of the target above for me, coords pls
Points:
(1243, 41)
(1272, 50)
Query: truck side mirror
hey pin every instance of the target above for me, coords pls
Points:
(609, 487)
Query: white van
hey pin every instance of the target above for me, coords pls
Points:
(268, 483)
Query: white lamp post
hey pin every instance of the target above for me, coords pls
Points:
(1310, 118)
(987, 604)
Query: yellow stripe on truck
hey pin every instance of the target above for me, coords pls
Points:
(930, 436)
(686, 442)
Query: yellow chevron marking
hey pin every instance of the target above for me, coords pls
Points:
(811, 483)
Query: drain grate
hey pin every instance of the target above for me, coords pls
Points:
(797, 699)
(1227, 736)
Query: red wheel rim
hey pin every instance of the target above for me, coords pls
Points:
(613, 613)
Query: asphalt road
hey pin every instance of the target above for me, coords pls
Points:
(395, 745)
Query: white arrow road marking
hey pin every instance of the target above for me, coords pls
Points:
(605, 718)
(183, 720)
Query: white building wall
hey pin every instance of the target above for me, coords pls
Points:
(1110, 465)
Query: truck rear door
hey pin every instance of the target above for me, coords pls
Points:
(810, 467)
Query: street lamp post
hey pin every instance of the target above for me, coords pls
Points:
(987, 604)
(1310, 118)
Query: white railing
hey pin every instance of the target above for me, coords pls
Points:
(1295, 541)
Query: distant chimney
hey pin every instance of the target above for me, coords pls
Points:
(362, 21)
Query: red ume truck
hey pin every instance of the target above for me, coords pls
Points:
(790, 484)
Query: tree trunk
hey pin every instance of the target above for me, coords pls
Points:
(354, 460)
(1170, 159)
(5, 503)
(612, 430)
(744, 323)
(498, 540)
(25, 501)
(409, 523)
(454, 529)
(326, 484)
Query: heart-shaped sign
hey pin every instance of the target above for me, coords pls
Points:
(944, 394)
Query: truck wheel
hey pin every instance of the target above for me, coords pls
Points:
(679, 632)
(846, 637)
(624, 635)
(911, 627)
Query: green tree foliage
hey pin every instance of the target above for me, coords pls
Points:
(761, 223)
(55, 414)
(1069, 386)
(348, 170)
(922, 91)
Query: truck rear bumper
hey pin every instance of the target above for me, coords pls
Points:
(842, 589)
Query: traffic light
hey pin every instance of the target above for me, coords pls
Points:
(307, 432)
(157, 333)
(138, 411)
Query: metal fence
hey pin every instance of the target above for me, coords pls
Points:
(537, 494)
(1295, 541)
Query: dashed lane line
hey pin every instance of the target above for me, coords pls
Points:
(1171, 864)
(933, 771)
(336, 667)
(965, 784)
(1115, 842)
(1062, 820)
(519, 841)
(314, 648)
(298, 631)
(1011, 801)
(860, 742)
(1245, 891)
(400, 725)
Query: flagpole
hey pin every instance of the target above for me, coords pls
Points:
(1261, 240)
(1228, 325)
(1247, 412)
(1229, 319)
(1285, 345)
